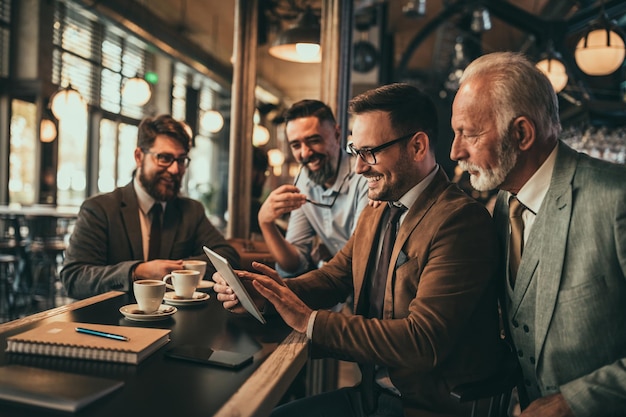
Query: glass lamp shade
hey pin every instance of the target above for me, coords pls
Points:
(275, 157)
(47, 131)
(212, 121)
(67, 102)
(260, 135)
(600, 52)
(300, 43)
(136, 91)
(555, 71)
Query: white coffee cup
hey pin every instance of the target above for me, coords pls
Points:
(149, 294)
(184, 282)
(195, 265)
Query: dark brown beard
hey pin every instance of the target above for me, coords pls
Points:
(152, 186)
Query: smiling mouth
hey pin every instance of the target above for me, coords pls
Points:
(314, 160)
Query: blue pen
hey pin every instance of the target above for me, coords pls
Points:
(102, 334)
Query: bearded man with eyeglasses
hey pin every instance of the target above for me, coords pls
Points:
(122, 236)
(325, 200)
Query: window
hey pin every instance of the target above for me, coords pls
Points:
(23, 145)
(96, 58)
(116, 160)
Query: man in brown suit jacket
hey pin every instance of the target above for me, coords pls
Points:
(438, 325)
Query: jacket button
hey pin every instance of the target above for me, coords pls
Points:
(514, 323)
(526, 328)
(532, 360)
(520, 353)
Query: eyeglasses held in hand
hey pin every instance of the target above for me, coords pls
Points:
(368, 155)
(166, 160)
(317, 203)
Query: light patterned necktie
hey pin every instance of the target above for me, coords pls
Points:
(516, 245)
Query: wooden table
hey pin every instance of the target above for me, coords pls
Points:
(160, 386)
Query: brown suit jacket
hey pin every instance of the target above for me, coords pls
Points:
(440, 324)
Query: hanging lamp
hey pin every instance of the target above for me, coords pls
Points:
(301, 42)
(67, 101)
(601, 49)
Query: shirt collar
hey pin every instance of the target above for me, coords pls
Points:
(411, 196)
(531, 195)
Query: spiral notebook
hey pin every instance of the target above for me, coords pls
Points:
(61, 339)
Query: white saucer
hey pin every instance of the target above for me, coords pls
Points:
(162, 313)
(205, 285)
(198, 297)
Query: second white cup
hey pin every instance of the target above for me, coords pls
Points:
(195, 265)
(183, 281)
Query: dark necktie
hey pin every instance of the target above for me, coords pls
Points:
(379, 279)
(516, 244)
(155, 232)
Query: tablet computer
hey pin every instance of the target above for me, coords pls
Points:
(223, 267)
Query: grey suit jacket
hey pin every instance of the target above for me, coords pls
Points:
(576, 253)
(106, 242)
(440, 322)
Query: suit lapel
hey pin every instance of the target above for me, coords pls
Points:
(553, 235)
(415, 215)
(365, 244)
(130, 212)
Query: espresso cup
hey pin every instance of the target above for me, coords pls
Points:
(149, 294)
(195, 265)
(184, 282)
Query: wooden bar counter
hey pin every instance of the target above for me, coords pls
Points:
(161, 386)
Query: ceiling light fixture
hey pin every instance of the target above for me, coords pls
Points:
(67, 101)
(601, 49)
(212, 121)
(551, 64)
(414, 9)
(481, 20)
(136, 91)
(260, 135)
(301, 42)
(47, 130)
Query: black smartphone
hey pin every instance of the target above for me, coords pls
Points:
(208, 356)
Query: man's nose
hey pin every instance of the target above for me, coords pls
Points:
(305, 152)
(360, 166)
(457, 150)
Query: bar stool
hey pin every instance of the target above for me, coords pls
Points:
(46, 262)
(8, 295)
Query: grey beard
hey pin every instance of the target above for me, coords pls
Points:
(321, 177)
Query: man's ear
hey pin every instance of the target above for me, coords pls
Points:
(421, 145)
(524, 132)
(138, 156)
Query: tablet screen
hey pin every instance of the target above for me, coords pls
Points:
(223, 267)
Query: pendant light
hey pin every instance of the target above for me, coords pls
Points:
(601, 49)
(136, 91)
(301, 42)
(67, 102)
(551, 64)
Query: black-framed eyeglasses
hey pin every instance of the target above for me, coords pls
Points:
(368, 155)
(317, 203)
(166, 160)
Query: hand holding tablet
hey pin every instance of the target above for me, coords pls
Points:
(223, 267)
